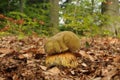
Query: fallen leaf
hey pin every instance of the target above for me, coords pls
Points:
(28, 55)
(6, 51)
(83, 64)
(52, 71)
(109, 74)
(43, 67)
(84, 54)
(97, 78)
(2, 78)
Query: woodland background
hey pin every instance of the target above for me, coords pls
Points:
(44, 17)
(25, 26)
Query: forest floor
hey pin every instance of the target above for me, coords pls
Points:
(24, 59)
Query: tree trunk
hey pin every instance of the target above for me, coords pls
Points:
(93, 4)
(110, 8)
(54, 16)
(21, 5)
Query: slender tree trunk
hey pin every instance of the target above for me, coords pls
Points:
(110, 8)
(54, 16)
(92, 1)
(22, 5)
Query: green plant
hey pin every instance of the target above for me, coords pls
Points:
(83, 17)
(22, 24)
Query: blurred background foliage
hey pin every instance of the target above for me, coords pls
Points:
(27, 17)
